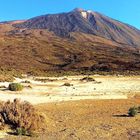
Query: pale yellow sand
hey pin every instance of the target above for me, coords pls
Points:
(111, 87)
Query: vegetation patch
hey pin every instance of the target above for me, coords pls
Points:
(138, 109)
(44, 80)
(67, 84)
(87, 79)
(26, 82)
(133, 111)
(15, 87)
(29, 86)
(22, 117)
(6, 78)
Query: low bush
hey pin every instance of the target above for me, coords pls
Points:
(133, 111)
(26, 81)
(44, 80)
(21, 116)
(88, 79)
(138, 109)
(67, 84)
(21, 131)
(29, 86)
(15, 87)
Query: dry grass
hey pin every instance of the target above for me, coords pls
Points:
(21, 116)
(6, 78)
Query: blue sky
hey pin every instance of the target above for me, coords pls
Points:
(127, 11)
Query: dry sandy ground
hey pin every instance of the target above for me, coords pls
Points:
(83, 119)
(89, 120)
(92, 120)
(105, 87)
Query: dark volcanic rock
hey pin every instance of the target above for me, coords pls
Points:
(88, 22)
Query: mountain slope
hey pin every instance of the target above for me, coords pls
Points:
(78, 40)
(41, 50)
(88, 22)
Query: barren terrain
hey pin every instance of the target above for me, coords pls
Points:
(75, 107)
(89, 120)
(83, 110)
(53, 89)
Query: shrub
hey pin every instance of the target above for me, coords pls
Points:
(139, 109)
(132, 111)
(26, 81)
(88, 79)
(15, 87)
(22, 117)
(67, 84)
(29, 86)
(21, 131)
(44, 80)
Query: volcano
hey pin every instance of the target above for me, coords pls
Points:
(77, 40)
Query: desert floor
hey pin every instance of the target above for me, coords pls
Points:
(70, 115)
(92, 120)
(52, 90)
(89, 120)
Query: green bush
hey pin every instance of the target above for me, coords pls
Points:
(133, 111)
(21, 131)
(15, 87)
